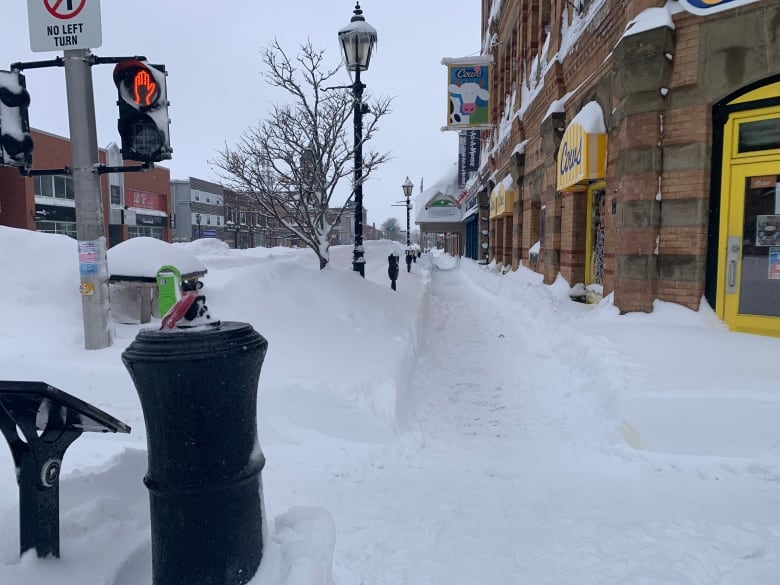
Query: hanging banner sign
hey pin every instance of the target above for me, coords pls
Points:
(468, 155)
(705, 7)
(468, 92)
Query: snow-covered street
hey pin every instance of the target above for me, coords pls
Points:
(511, 467)
(470, 427)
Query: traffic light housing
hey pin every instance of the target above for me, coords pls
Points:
(16, 144)
(143, 111)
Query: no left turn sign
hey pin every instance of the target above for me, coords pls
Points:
(64, 9)
(59, 25)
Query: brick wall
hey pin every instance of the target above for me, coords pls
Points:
(659, 142)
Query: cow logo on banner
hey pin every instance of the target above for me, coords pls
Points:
(704, 7)
(468, 92)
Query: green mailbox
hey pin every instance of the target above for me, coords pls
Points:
(168, 288)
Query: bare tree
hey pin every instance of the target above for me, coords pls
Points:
(293, 161)
(392, 229)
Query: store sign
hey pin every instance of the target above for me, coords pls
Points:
(504, 200)
(150, 220)
(145, 200)
(468, 92)
(704, 7)
(468, 155)
(443, 212)
(55, 213)
(581, 157)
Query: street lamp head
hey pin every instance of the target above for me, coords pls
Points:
(197, 218)
(357, 40)
(407, 186)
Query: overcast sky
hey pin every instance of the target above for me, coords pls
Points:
(212, 52)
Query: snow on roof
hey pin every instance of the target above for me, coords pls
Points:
(591, 118)
(143, 257)
(557, 106)
(445, 188)
(473, 211)
(520, 147)
(649, 19)
(571, 31)
(473, 60)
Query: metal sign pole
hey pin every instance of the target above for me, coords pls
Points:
(93, 265)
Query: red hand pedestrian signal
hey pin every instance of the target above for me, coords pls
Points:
(143, 88)
(143, 111)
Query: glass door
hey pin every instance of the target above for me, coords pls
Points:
(594, 244)
(752, 255)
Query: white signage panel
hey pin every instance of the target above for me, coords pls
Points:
(59, 25)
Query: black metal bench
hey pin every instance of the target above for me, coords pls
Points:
(40, 422)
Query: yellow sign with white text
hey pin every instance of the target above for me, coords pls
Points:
(505, 201)
(581, 157)
(502, 200)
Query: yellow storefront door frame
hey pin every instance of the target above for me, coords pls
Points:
(737, 167)
(590, 278)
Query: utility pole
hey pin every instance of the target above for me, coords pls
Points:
(93, 265)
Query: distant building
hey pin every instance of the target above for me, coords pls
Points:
(246, 224)
(200, 209)
(134, 204)
(634, 147)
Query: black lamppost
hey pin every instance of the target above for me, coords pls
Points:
(197, 220)
(407, 187)
(357, 41)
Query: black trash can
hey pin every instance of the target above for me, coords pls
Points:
(198, 392)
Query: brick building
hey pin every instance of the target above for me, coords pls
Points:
(134, 204)
(635, 148)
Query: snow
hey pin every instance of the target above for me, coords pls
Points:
(472, 60)
(12, 121)
(470, 427)
(557, 106)
(519, 148)
(649, 19)
(591, 118)
(144, 256)
(571, 30)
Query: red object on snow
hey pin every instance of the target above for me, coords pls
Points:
(177, 311)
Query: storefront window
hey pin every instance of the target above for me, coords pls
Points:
(58, 186)
(44, 187)
(759, 135)
(116, 194)
(57, 227)
(760, 281)
(136, 231)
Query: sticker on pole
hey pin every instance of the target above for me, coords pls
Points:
(60, 25)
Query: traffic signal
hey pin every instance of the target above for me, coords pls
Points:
(16, 144)
(143, 111)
